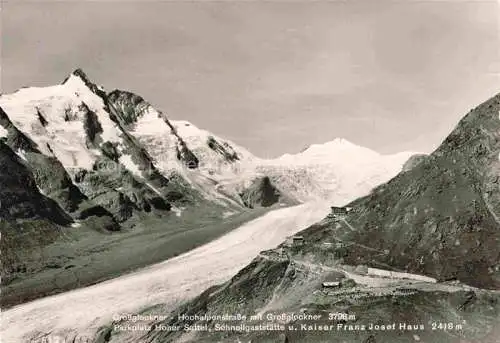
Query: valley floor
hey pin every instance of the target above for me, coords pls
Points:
(83, 256)
(83, 311)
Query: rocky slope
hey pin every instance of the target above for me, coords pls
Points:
(293, 305)
(413, 161)
(438, 218)
(261, 193)
(20, 198)
(28, 218)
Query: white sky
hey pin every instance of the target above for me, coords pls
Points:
(273, 76)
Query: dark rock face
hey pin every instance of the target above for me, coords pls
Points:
(91, 125)
(129, 106)
(53, 179)
(223, 149)
(159, 203)
(109, 150)
(108, 187)
(92, 211)
(19, 237)
(260, 193)
(187, 156)
(179, 191)
(122, 194)
(19, 195)
(41, 118)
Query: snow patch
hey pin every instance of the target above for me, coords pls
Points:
(177, 211)
(41, 191)
(154, 188)
(150, 123)
(155, 134)
(337, 171)
(22, 154)
(3, 132)
(399, 275)
(338, 149)
(227, 214)
(197, 141)
(127, 162)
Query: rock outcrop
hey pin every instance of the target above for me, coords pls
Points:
(260, 193)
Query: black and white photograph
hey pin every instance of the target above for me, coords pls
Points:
(250, 171)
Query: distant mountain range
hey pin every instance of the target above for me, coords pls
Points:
(78, 158)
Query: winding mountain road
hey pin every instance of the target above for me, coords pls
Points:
(81, 312)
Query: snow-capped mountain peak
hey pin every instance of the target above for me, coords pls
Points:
(337, 171)
(80, 74)
(339, 148)
(67, 121)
